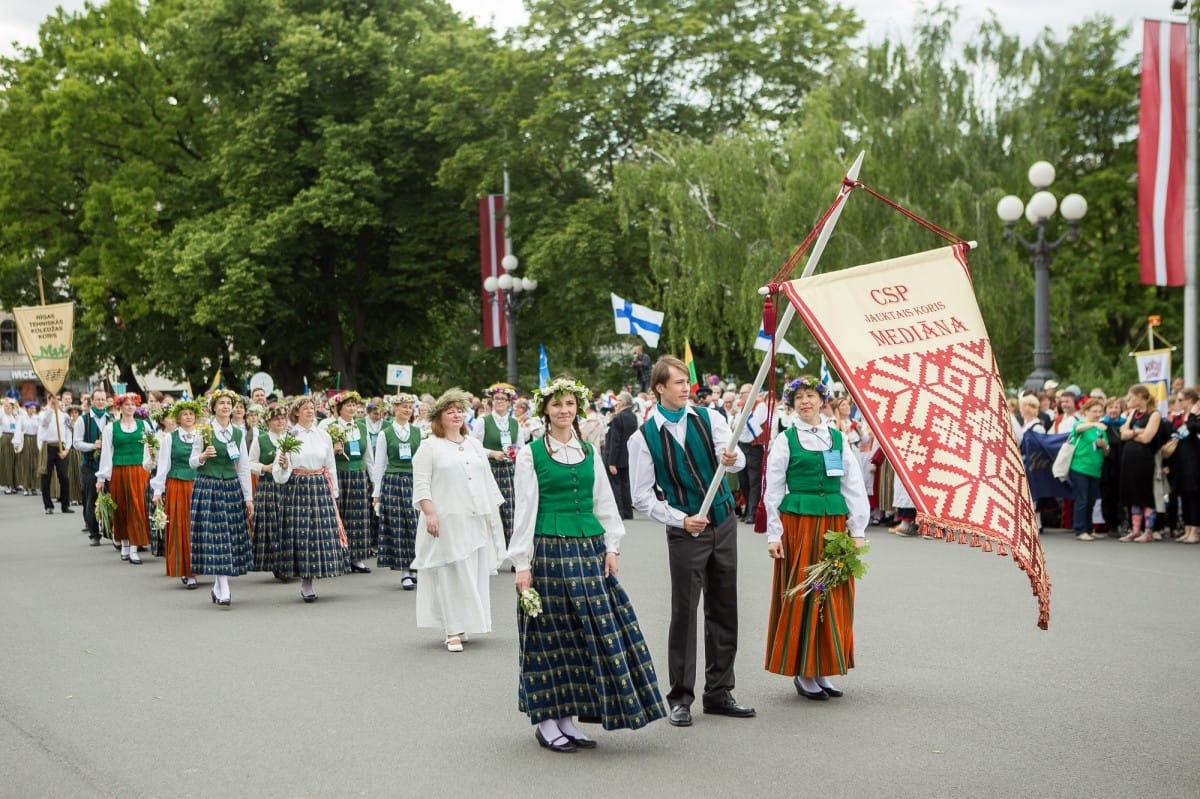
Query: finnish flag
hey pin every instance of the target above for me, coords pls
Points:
(763, 342)
(637, 319)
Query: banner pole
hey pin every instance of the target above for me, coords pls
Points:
(780, 329)
(41, 286)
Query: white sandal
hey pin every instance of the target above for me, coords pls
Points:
(454, 644)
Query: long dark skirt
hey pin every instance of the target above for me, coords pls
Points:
(8, 461)
(309, 546)
(354, 503)
(219, 530)
(397, 522)
(268, 521)
(584, 655)
(27, 464)
(503, 471)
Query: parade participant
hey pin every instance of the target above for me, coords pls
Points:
(222, 502)
(623, 425)
(677, 453)
(354, 489)
(8, 456)
(500, 434)
(1139, 433)
(87, 436)
(26, 445)
(1185, 466)
(75, 458)
(460, 538)
(392, 481)
(752, 443)
(814, 485)
(172, 489)
(54, 442)
(268, 495)
(254, 425)
(312, 541)
(122, 453)
(583, 654)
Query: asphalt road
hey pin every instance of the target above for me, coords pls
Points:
(116, 682)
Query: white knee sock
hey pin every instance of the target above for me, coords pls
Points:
(306, 586)
(124, 547)
(550, 730)
(809, 684)
(567, 725)
(825, 683)
(221, 585)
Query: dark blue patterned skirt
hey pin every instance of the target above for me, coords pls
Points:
(309, 546)
(503, 471)
(268, 521)
(397, 521)
(584, 655)
(354, 503)
(219, 531)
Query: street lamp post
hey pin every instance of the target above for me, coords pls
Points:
(517, 294)
(1038, 211)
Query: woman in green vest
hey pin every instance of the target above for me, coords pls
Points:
(392, 478)
(122, 454)
(583, 655)
(268, 495)
(500, 434)
(354, 489)
(172, 483)
(814, 484)
(222, 503)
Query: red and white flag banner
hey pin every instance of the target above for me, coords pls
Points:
(908, 341)
(1162, 154)
(492, 252)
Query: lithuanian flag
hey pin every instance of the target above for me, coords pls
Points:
(691, 365)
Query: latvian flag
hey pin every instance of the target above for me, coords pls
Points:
(1163, 155)
(492, 251)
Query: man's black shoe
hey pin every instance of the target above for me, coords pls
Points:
(730, 708)
(681, 716)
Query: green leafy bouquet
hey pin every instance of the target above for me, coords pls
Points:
(106, 509)
(840, 560)
(337, 434)
(206, 432)
(151, 441)
(530, 602)
(289, 442)
(159, 521)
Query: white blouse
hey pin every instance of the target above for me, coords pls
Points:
(158, 483)
(852, 486)
(316, 452)
(106, 448)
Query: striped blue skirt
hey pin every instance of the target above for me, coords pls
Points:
(503, 471)
(268, 521)
(584, 655)
(309, 546)
(397, 521)
(354, 503)
(219, 531)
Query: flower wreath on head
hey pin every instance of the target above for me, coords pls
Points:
(178, 408)
(451, 396)
(158, 413)
(256, 409)
(277, 411)
(342, 397)
(121, 399)
(808, 383)
(558, 387)
(233, 397)
(398, 399)
(503, 389)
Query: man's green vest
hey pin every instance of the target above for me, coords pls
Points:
(683, 473)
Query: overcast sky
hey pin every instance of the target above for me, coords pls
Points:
(19, 19)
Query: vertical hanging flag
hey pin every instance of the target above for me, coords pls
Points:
(1163, 131)
(637, 319)
(307, 390)
(826, 378)
(216, 381)
(492, 251)
(691, 365)
(543, 367)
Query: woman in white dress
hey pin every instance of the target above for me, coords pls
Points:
(460, 538)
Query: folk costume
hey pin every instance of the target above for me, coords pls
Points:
(27, 449)
(8, 456)
(88, 438)
(354, 489)
(500, 434)
(814, 485)
(268, 498)
(584, 654)
(392, 481)
(172, 485)
(122, 453)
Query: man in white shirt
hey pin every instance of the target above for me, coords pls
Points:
(672, 460)
(54, 435)
(86, 437)
(751, 443)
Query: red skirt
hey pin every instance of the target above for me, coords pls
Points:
(128, 489)
(803, 638)
(177, 501)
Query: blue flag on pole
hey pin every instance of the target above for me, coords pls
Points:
(1039, 451)
(637, 319)
(763, 342)
(543, 367)
(826, 378)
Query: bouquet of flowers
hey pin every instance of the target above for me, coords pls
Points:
(106, 508)
(289, 442)
(206, 432)
(151, 441)
(158, 521)
(839, 562)
(530, 602)
(337, 434)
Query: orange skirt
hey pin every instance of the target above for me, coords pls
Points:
(802, 638)
(128, 489)
(177, 501)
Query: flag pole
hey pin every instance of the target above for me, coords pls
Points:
(1191, 214)
(780, 329)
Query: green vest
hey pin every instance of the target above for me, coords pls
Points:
(221, 466)
(128, 447)
(491, 431)
(353, 463)
(181, 452)
(396, 464)
(565, 495)
(811, 492)
(266, 448)
(683, 473)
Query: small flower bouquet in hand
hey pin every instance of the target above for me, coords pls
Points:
(106, 509)
(206, 432)
(337, 434)
(839, 562)
(159, 521)
(289, 442)
(530, 602)
(151, 441)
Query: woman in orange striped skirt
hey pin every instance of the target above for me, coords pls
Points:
(121, 458)
(814, 484)
(173, 483)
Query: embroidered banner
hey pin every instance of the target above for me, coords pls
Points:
(908, 341)
(47, 332)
